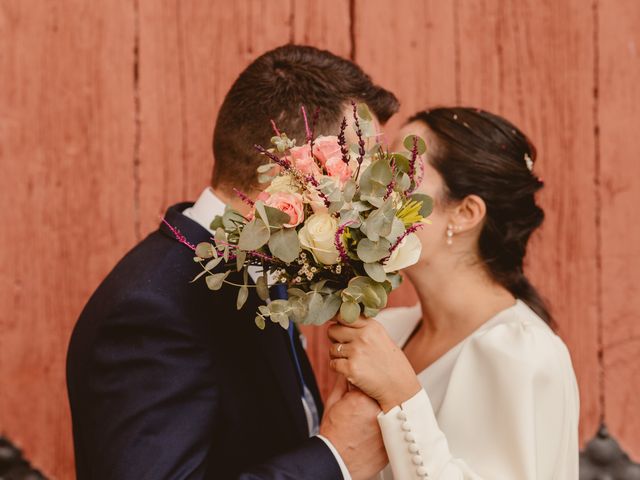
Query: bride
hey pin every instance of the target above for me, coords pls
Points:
(495, 396)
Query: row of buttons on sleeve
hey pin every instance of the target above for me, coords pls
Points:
(414, 450)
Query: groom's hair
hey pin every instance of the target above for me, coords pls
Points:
(274, 87)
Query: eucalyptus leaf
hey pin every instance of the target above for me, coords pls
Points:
(408, 144)
(374, 294)
(243, 294)
(370, 252)
(215, 281)
(335, 206)
(381, 172)
(241, 256)
(401, 161)
(285, 245)
(205, 250)
(220, 237)
(264, 178)
(281, 318)
(394, 280)
(379, 222)
(350, 217)
(254, 235)
(264, 310)
(427, 203)
(349, 190)
(260, 323)
(397, 229)
(216, 223)
(276, 217)
(371, 312)
(296, 292)
(363, 112)
(262, 288)
(265, 167)
(349, 311)
(375, 271)
(231, 218)
(403, 182)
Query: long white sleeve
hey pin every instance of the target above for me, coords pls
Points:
(510, 412)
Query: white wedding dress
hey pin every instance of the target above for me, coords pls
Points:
(501, 405)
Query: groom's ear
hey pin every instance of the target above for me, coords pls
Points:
(469, 214)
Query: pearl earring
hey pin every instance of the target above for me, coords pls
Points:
(449, 234)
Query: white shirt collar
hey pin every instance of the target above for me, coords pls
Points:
(206, 208)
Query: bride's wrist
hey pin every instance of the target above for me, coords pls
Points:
(400, 395)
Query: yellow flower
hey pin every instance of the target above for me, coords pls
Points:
(409, 213)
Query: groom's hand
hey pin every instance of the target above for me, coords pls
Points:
(350, 424)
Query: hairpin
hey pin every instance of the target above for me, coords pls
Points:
(528, 161)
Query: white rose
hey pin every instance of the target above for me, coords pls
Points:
(282, 183)
(318, 236)
(405, 254)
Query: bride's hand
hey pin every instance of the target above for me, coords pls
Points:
(363, 352)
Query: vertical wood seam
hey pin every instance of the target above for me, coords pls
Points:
(597, 183)
(352, 30)
(457, 52)
(292, 21)
(136, 120)
(183, 92)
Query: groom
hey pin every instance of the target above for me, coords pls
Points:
(166, 379)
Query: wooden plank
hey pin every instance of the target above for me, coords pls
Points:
(408, 49)
(66, 123)
(532, 62)
(191, 52)
(619, 118)
(324, 25)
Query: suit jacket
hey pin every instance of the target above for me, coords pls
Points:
(167, 380)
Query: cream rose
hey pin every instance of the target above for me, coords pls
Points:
(318, 236)
(405, 254)
(282, 183)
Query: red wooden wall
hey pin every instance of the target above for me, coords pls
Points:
(106, 114)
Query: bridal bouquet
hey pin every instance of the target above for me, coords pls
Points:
(335, 224)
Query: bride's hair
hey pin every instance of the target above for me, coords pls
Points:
(479, 153)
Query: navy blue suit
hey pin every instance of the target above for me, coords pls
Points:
(167, 380)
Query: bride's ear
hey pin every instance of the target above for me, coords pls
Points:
(469, 214)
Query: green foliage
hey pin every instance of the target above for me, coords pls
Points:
(408, 144)
(284, 244)
(215, 280)
(370, 251)
(254, 235)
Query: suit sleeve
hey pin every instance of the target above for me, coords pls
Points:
(154, 403)
(312, 459)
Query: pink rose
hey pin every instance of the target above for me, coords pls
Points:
(336, 168)
(327, 148)
(303, 161)
(289, 203)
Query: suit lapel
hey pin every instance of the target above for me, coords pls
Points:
(273, 341)
(276, 352)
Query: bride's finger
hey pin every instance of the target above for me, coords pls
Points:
(340, 334)
(359, 323)
(338, 350)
